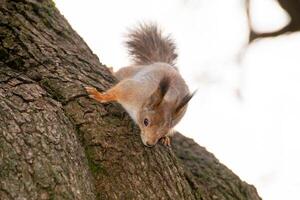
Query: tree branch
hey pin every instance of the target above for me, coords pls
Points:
(292, 7)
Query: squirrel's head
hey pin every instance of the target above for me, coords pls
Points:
(157, 116)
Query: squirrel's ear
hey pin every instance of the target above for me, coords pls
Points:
(182, 105)
(158, 95)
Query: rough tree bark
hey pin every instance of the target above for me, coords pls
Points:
(56, 143)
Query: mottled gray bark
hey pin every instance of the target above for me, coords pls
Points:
(56, 143)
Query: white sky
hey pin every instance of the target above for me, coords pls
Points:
(257, 135)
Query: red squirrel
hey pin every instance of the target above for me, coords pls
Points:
(151, 89)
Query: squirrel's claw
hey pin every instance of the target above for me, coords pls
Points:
(92, 92)
(102, 97)
(166, 141)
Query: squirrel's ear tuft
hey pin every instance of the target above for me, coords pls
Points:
(158, 95)
(184, 102)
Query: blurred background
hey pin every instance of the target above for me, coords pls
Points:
(242, 55)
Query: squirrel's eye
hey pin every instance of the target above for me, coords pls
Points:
(146, 122)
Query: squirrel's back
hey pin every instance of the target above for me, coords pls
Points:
(147, 45)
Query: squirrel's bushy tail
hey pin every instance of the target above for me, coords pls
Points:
(147, 45)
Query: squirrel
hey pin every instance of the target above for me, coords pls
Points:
(151, 90)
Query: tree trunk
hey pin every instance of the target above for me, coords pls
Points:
(56, 143)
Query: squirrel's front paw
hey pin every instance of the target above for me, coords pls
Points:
(92, 92)
(166, 141)
(102, 97)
